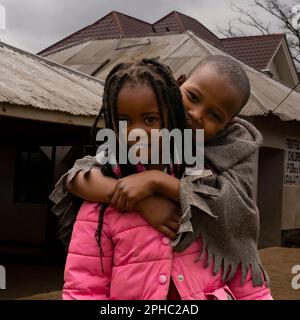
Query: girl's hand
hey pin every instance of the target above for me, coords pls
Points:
(161, 213)
(132, 189)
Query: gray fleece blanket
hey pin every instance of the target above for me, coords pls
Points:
(222, 206)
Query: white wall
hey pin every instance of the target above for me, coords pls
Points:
(275, 133)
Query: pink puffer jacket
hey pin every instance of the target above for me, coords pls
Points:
(138, 263)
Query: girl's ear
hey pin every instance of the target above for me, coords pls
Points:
(181, 79)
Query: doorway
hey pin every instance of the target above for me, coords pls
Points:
(269, 195)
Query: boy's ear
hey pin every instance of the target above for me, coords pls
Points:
(181, 80)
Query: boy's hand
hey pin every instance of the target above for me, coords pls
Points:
(161, 213)
(132, 189)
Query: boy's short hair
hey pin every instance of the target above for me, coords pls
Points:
(231, 69)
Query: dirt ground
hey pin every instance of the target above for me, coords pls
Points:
(26, 280)
(45, 283)
(279, 263)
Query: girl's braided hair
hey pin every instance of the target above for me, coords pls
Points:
(160, 79)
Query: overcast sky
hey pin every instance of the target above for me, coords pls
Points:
(36, 24)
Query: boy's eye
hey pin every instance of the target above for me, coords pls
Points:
(216, 117)
(192, 96)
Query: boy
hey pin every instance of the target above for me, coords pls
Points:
(220, 206)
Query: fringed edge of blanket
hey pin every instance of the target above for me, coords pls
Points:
(228, 267)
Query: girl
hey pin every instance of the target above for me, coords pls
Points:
(135, 258)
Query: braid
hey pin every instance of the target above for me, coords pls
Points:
(103, 111)
(125, 169)
(155, 86)
(107, 171)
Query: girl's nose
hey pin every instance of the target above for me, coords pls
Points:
(133, 126)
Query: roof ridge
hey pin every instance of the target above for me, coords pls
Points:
(168, 14)
(254, 36)
(128, 16)
(116, 18)
(67, 46)
(179, 20)
(197, 21)
(48, 61)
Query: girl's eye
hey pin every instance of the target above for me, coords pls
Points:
(192, 96)
(150, 120)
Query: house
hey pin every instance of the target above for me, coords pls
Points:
(46, 111)
(267, 53)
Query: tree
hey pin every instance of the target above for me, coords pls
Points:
(287, 20)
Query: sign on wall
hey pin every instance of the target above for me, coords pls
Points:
(292, 162)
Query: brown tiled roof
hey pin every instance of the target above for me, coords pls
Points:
(179, 22)
(113, 25)
(256, 51)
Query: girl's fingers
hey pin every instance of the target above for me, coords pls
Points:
(129, 205)
(115, 198)
(111, 193)
(118, 201)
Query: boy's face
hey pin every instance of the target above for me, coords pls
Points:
(210, 100)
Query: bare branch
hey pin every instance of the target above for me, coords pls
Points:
(250, 19)
(296, 59)
(275, 8)
(253, 23)
(230, 30)
(280, 11)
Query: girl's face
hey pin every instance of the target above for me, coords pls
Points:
(137, 106)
